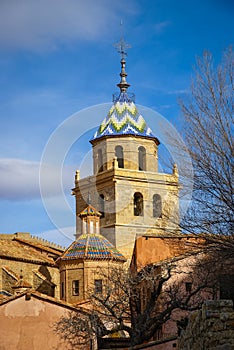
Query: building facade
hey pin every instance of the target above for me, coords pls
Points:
(126, 187)
(29, 259)
(83, 265)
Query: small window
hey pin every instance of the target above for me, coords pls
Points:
(142, 158)
(120, 156)
(75, 287)
(102, 205)
(226, 287)
(100, 161)
(138, 204)
(62, 290)
(97, 286)
(157, 206)
(188, 287)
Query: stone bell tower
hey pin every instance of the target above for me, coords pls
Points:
(126, 187)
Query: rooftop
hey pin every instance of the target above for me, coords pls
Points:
(16, 250)
(93, 247)
(123, 117)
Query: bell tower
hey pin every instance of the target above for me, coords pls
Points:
(126, 187)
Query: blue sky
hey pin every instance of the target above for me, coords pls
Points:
(57, 58)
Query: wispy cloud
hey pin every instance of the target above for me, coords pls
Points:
(161, 26)
(20, 179)
(40, 25)
(178, 92)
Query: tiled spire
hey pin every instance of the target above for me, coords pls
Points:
(123, 117)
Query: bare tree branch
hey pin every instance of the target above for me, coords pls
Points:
(208, 130)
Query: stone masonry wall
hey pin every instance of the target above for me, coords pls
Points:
(211, 328)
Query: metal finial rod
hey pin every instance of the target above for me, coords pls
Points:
(89, 198)
(122, 47)
(123, 85)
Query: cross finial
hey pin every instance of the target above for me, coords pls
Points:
(122, 46)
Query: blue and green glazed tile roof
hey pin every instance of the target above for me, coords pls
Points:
(123, 119)
(93, 247)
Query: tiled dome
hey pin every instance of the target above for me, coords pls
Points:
(123, 119)
(94, 247)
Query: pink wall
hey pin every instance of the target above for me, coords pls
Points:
(28, 324)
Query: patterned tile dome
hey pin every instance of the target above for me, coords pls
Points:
(93, 247)
(123, 119)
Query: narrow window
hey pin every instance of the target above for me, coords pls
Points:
(120, 156)
(157, 206)
(91, 227)
(188, 287)
(97, 227)
(226, 287)
(62, 290)
(138, 204)
(100, 161)
(75, 287)
(97, 286)
(142, 158)
(84, 227)
(102, 205)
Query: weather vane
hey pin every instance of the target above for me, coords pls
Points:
(122, 46)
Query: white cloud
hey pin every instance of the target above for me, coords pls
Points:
(178, 92)
(39, 25)
(20, 179)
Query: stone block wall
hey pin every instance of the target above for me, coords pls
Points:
(42, 278)
(211, 328)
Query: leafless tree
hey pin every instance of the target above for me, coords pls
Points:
(76, 329)
(209, 116)
(138, 302)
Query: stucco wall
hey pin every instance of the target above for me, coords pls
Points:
(28, 324)
(151, 249)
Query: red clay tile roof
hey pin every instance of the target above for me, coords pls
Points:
(42, 297)
(39, 246)
(15, 250)
(21, 283)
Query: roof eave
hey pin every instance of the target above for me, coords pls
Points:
(97, 139)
